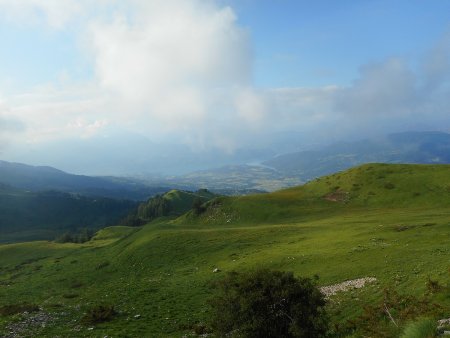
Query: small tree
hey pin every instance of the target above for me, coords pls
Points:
(266, 303)
(197, 206)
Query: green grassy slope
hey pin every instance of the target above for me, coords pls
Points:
(158, 276)
(367, 186)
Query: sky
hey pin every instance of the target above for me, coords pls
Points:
(218, 74)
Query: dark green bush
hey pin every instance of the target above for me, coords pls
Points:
(433, 286)
(82, 236)
(102, 265)
(132, 220)
(156, 206)
(99, 314)
(197, 206)
(265, 303)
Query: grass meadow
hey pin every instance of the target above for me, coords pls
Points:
(388, 222)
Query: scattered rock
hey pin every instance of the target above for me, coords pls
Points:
(443, 322)
(30, 322)
(216, 270)
(331, 290)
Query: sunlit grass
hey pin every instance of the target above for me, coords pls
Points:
(157, 277)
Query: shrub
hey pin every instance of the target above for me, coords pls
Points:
(265, 303)
(197, 206)
(389, 186)
(132, 220)
(102, 265)
(433, 286)
(156, 206)
(82, 236)
(99, 314)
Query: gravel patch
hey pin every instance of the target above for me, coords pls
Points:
(331, 290)
(29, 323)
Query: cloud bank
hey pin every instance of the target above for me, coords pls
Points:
(182, 70)
(9, 125)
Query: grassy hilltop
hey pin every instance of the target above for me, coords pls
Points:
(390, 222)
(365, 187)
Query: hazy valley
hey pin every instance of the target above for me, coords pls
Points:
(224, 168)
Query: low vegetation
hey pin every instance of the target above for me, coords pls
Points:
(158, 277)
(423, 328)
(81, 236)
(265, 303)
(172, 203)
(99, 314)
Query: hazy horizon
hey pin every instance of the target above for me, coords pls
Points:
(126, 84)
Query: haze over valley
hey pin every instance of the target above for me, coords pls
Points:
(224, 168)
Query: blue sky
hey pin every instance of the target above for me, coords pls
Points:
(313, 43)
(222, 74)
(295, 43)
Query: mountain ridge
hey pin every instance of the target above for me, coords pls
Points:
(40, 178)
(407, 147)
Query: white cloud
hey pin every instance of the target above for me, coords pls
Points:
(436, 64)
(390, 96)
(171, 61)
(184, 68)
(384, 89)
(55, 13)
(48, 113)
(9, 125)
(251, 107)
(165, 66)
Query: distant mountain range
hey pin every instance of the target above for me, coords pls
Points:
(38, 202)
(410, 147)
(43, 178)
(128, 154)
(295, 168)
(275, 173)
